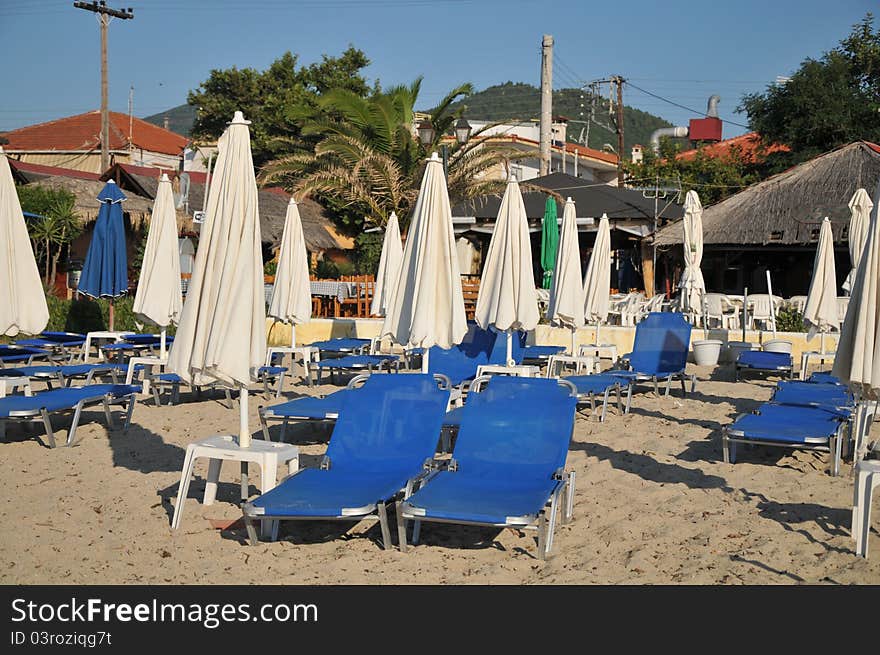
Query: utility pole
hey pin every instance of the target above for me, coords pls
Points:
(546, 102)
(619, 82)
(104, 14)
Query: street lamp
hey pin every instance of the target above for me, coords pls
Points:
(427, 133)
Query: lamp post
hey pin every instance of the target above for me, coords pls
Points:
(426, 136)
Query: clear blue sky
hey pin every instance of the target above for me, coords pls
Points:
(683, 51)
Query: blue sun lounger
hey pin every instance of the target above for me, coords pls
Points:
(64, 375)
(352, 364)
(343, 346)
(790, 426)
(590, 387)
(24, 355)
(763, 360)
(40, 406)
(65, 344)
(507, 467)
(385, 437)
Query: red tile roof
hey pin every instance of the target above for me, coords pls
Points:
(40, 169)
(83, 133)
(749, 146)
(582, 151)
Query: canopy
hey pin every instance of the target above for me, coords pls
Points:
(820, 311)
(22, 300)
(292, 296)
(692, 285)
(567, 290)
(597, 281)
(389, 267)
(105, 271)
(426, 307)
(222, 332)
(860, 212)
(549, 241)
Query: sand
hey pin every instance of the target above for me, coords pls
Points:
(655, 504)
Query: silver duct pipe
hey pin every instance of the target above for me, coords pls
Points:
(712, 109)
(675, 132)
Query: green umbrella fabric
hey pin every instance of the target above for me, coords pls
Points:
(549, 241)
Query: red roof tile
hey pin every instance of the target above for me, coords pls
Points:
(40, 169)
(83, 133)
(749, 146)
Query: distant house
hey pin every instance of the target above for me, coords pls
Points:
(569, 158)
(774, 224)
(74, 142)
(747, 146)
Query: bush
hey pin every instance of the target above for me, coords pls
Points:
(790, 320)
(270, 267)
(367, 252)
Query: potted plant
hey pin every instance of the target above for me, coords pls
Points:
(269, 269)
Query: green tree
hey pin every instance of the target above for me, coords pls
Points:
(827, 102)
(272, 99)
(58, 224)
(714, 178)
(367, 162)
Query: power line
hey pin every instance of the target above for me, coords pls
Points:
(680, 106)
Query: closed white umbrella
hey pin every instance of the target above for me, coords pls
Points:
(567, 288)
(292, 295)
(820, 311)
(507, 299)
(22, 300)
(597, 280)
(860, 206)
(427, 305)
(857, 361)
(158, 299)
(389, 268)
(692, 285)
(222, 331)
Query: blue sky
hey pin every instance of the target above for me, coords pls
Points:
(682, 51)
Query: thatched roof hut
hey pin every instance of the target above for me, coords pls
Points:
(318, 231)
(787, 209)
(87, 205)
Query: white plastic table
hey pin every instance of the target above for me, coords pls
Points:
(218, 448)
(307, 354)
(9, 383)
(867, 474)
(590, 362)
(603, 350)
(146, 361)
(522, 370)
(115, 336)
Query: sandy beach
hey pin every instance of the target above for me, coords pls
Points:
(655, 504)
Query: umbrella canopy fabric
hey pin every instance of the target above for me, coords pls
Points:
(158, 298)
(389, 268)
(292, 296)
(597, 281)
(508, 299)
(105, 271)
(426, 307)
(692, 285)
(222, 331)
(549, 241)
(858, 351)
(860, 206)
(820, 311)
(22, 300)
(567, 291)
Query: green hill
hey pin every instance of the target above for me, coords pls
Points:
(507, 102)
(523, 102)
(180, 119)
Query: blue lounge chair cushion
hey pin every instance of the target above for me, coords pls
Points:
(171, 378)
(60, 399)
(541, 352)
(20, 354)
(272, 370)
(355, 361)
(70, 371)
(597, 383)
(39, 342)
(764, 360)
(788, 424)
(825, 378)
(455, 363)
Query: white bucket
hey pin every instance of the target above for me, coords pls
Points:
(734, 348)
(706, 352)
(778, 346)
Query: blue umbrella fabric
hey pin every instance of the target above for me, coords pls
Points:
(105, 271)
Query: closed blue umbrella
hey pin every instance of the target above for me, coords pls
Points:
(105, 271)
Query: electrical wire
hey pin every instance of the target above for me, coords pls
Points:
(680, 106)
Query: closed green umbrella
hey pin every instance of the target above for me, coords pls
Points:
(549, 241)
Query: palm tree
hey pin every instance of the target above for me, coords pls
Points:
(368, 159)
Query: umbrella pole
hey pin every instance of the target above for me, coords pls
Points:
(162, 344)
(573, 336)
(745, 311)
(111, 315)
(509, 348)
(425, 360)
(244, 438)
(772, 305)
(293, 335)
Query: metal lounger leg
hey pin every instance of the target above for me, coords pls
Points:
(251, 526)
(264, 426)
(108, 413)
(71, 435)
(284, 429)
(728, 448)
(417, 531)
(569, 501)
(401, 527)
(129, 410)
(619, 405)
(542, 535)
(604, 404)
(280, 385)
(382, 511)
(551, 523)
(50, 434)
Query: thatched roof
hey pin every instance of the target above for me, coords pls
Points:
(87, 204)
(318, 231)
(788, 208)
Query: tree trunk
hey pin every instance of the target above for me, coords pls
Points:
(47, 263)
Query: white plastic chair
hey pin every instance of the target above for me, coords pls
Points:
(797, 303)
(719, 307)
(763, 308)
(867, 473)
